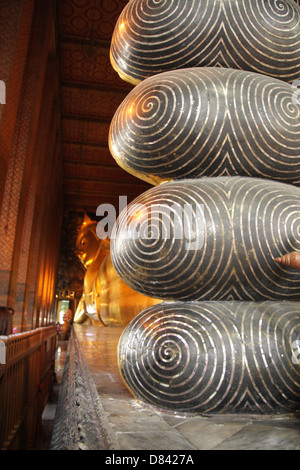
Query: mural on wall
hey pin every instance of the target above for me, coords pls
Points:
(223, 338)
(70, 270)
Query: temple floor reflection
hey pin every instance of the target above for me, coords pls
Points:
(110, 417)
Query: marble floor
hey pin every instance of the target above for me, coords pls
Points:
(134, 425)
(49, 412)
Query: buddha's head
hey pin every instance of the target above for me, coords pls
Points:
(87, 243)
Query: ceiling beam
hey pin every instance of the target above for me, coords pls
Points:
(89, 41)
(76, 117)
(121, 90)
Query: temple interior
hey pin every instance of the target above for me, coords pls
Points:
(115, 341)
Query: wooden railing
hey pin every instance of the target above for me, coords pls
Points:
(26, 376)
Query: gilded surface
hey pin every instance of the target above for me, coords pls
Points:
(153, 36)
(106, 299)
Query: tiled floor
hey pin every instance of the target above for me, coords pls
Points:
(137, 426)
(48, 416)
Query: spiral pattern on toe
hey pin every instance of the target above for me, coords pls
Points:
(212, 238)
(153, 36)
(208, 122)
(225, 357)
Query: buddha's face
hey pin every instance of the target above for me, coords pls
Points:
(87, 245)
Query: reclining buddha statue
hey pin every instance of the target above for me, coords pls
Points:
(106, 300)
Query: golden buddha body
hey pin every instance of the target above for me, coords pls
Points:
(106, 300)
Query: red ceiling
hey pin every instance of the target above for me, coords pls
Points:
(91, 91)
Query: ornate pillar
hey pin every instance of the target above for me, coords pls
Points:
(47, 225)
(30, 160)
(32, 183)
(15, 25)
(21, 152)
